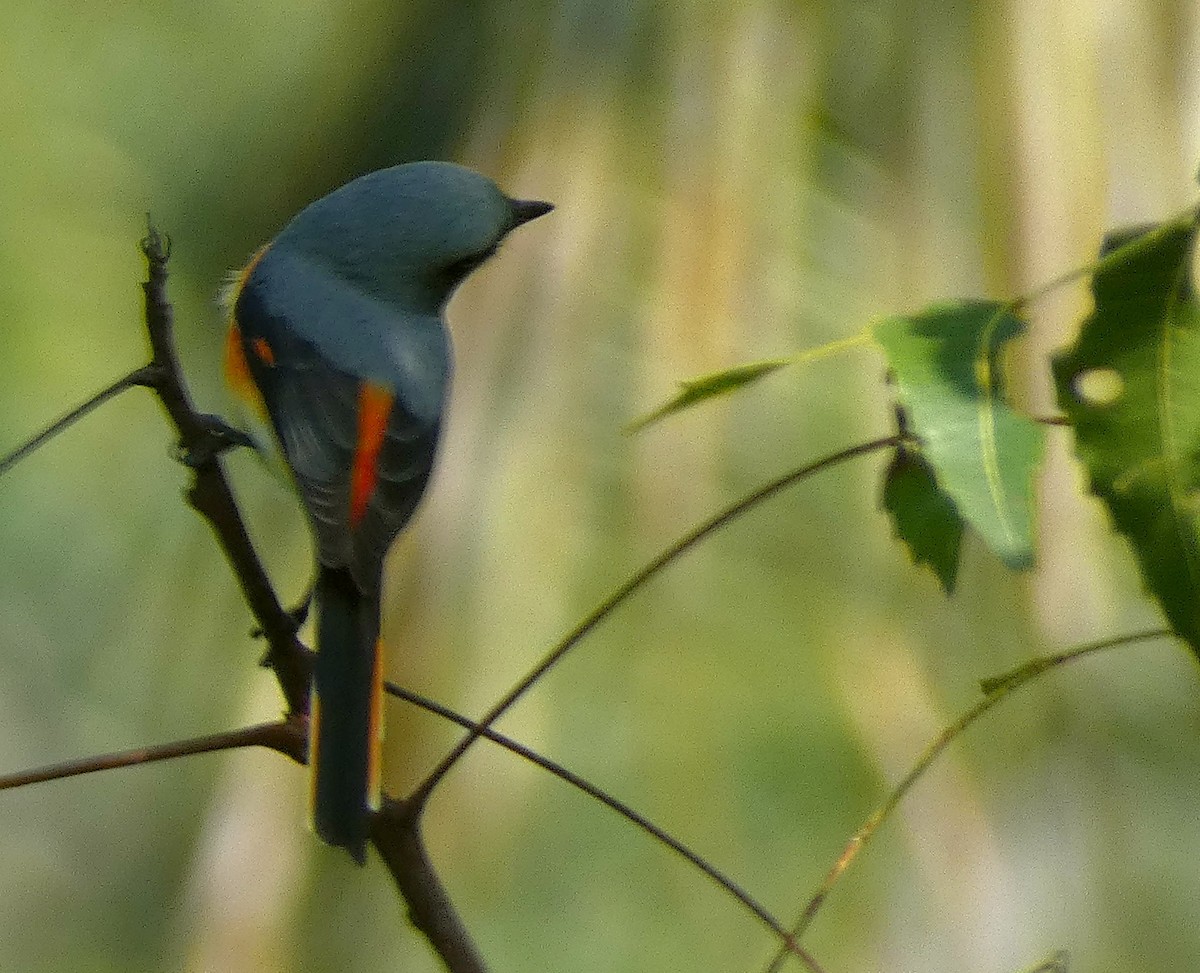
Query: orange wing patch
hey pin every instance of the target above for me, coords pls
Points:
(374, 408)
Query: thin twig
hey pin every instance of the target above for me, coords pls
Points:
(283, 736)
(1107, 260)
(997, 689)
(421, 794)
(139, 377)
(623, 809)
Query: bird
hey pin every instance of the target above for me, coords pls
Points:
(338, 351)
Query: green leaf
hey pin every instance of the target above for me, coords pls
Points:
(722, 383)
(985, 455)
(709, 387)
(925, 518)
(1131, 387)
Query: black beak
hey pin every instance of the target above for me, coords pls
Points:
(524, 210)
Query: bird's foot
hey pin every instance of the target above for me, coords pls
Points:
(216, 436)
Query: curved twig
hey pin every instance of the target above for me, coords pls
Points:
(620, 807)
(996, 689)
(421, 794)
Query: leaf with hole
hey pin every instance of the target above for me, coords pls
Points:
(1130, 386)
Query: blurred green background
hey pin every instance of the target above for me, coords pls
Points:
(734, 180)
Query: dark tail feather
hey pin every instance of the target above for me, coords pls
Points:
(344, 730)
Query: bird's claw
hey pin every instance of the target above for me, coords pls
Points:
(215, 437)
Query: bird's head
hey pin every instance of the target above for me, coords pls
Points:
(409, 234)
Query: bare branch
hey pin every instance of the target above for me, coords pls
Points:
(202, 438)
(1035, 667)
(396, 834)
(288, 737)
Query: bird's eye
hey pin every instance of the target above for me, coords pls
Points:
(455, 271)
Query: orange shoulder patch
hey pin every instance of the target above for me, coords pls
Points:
(237, 369)
(265, 353)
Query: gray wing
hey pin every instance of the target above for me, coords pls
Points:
(316, 409)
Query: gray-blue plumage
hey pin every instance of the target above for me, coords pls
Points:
(353, 290)
(356, 331)
(343, 311)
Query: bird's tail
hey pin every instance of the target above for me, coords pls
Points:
(345, 726)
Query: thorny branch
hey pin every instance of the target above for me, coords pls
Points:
(202, 439)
